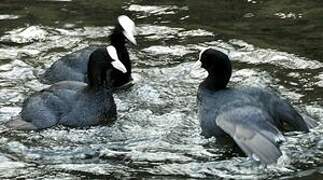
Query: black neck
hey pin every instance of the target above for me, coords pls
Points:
(104, 82)
(214, 82)
(117, 39)
(99, 69)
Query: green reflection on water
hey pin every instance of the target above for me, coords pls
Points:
(255, 23)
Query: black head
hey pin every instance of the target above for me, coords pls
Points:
(124, 29)
(102, 62)
(218, 65)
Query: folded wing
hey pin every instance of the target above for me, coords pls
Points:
(252, 129)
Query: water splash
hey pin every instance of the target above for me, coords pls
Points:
(157, 132)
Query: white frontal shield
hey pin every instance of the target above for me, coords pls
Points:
(129, 28)
(116, 63)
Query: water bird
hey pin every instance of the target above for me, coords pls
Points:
(252, 118)
(73, 66)
(74, 103)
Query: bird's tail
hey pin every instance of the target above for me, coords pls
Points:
(17, 123)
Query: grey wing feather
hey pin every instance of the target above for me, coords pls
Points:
(251, 130)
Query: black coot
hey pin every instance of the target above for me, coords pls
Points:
(73, 67)
(73, 103)
(252, 117)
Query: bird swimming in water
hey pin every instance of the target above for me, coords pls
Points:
(73, 67)
(73, 103)
(254, 118)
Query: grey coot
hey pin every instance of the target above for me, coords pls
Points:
(73, 67)
(73, 103)
(252, 117)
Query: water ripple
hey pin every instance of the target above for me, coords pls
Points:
(155, 10)
(157, 132)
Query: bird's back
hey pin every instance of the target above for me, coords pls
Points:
(72, 67)
(45, 108)
(91, 108)
(213, 103)
(241, 115)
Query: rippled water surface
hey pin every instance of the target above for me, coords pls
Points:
(276, 44)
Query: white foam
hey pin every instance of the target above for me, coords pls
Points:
(157, 10)
(244, 52)
(195, 33)
(176, 50)
(7, 17)
(24, 35)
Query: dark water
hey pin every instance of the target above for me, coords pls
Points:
(272, 43)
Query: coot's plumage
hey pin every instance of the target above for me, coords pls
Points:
(73, 67)
(72, 103)
(253, 117)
